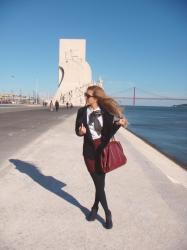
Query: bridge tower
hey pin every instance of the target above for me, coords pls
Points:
(134, 96)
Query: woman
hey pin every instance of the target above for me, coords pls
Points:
(98, 121)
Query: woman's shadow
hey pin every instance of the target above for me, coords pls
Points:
(50, 183)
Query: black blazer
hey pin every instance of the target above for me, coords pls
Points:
(108, 130)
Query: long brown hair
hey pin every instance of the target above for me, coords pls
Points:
(107, 102)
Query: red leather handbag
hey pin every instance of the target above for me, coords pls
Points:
(112, 156)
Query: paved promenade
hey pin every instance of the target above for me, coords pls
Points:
(46, 192)
(20, 125)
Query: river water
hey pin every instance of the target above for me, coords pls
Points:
(163, 127)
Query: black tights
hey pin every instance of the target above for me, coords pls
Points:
(99, 181)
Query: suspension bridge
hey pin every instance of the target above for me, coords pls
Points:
(151, 96)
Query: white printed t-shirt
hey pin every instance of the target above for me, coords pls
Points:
(91, 126)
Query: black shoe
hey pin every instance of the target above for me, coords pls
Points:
(92, 215)
(109, 223)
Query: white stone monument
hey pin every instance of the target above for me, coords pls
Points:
(75, 74)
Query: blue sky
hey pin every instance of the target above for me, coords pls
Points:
(140, 43)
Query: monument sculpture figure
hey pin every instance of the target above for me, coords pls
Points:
(75, 73)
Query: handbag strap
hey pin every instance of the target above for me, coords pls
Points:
(112, 138)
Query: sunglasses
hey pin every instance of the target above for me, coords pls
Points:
(87, 95)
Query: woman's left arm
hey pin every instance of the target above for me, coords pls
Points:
(118, 123)
(122, 122)
(115, 127)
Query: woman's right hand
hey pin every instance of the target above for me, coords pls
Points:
(82, 129)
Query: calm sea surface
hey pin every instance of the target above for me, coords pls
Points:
(163, 127)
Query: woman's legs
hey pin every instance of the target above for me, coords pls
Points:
(96, 203)
(99, 181)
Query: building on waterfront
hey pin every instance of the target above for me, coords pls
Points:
(11, 98)
(75, 74)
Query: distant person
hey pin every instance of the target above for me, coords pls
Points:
(67, 105)
(96, 122)
(51, 106)
(57, 105)
(71, 105)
